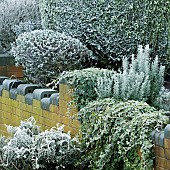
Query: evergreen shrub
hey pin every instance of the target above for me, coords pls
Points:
(113, 132)
(13, 15)
(112, 29)
(45, 53)
(84, 82)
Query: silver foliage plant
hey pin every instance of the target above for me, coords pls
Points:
(46, 53)
(163, 100)
(29, 149)
(13, 15)
(141, 79)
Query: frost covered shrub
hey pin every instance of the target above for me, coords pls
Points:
(84, 82)
(113, 132)
(112, 29)
(29, 149)
(45, 53)
(141, 79)
(163, 99)
(13, 13)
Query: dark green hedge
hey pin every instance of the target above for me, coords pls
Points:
(112, 28)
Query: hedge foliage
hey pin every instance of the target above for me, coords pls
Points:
(113, 132)
(111, 28)
(46, 53)
(17, 16)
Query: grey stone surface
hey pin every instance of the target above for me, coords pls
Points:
(45, 103)
(161, 139)
(11, 83)
(54, 99)
(2, 78)
(153, 135)
(38, 94)
(1, 89)
(13, 93)
(167, 131)
(23, 89)
(157, 134)
(29, 98)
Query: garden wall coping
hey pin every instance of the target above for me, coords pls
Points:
(38, 94)
(13, 93)
(2, 78)
(29, 98)
(23, 89)
(11, 83)
(54, 99)
(45, 103)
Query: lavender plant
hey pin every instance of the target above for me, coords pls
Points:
(142, 79)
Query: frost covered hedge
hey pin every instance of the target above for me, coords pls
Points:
(113, 132)
(17, 16)
(45, 53)
(29, 149)
(111, 28)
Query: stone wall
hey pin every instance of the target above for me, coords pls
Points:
(161, 141)
(19, 101)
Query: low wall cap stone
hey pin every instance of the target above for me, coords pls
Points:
(29, 98)
(23, 89)
(38, 94)
(1, 88)
(54, 99)
(161, 139)
(11, 83)
(13, 93)
(2, 78)
(167, 131)
(45, 103)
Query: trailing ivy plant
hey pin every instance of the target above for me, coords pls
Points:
(84, 82)
(113, 132)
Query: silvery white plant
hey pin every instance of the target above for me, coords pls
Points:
(163, 100)
(13, 13)
(142, 79)
(105, 84)
(45, 53)
(29, 149)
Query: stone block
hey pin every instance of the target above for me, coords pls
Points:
(54, 99)
(29, 98)
(160, 152)
(167, 143)
(45, 104)
(24, 89)
(11, 83)
(167, 154)
(157, 134)
(161, 139)
(38, 94)
(13, 93)
(1, 89)
(167, 131)
(2, 78)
